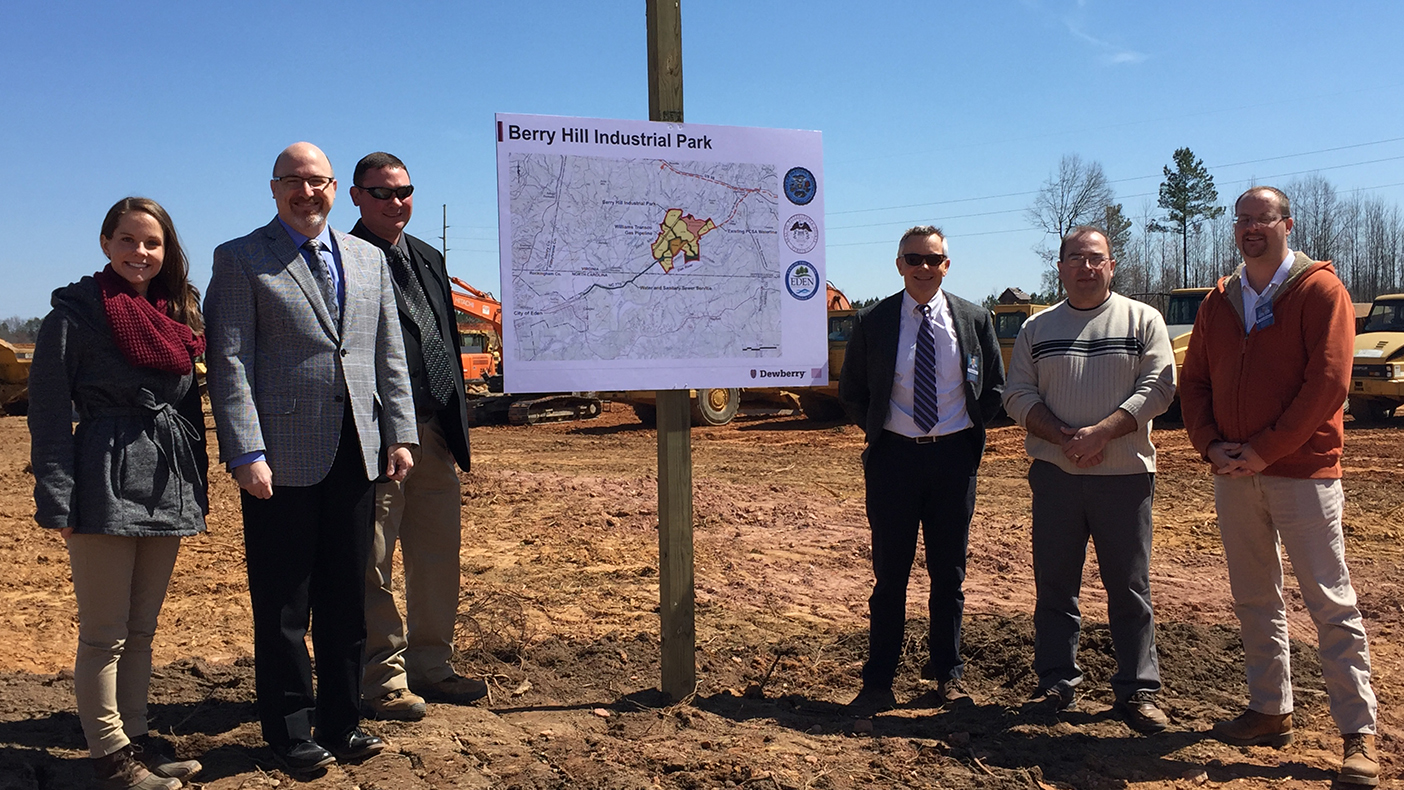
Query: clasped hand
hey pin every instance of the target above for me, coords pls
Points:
(1084, 446)
(1235, 459)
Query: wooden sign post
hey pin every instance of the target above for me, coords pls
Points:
(676, 602)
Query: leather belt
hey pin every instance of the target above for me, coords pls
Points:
(926, 439)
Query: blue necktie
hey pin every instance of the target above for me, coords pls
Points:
(924, 391)
(321, 273)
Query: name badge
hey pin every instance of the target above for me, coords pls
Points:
(1262, 315)
(972, 368)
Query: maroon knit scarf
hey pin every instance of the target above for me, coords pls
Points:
(147, 336)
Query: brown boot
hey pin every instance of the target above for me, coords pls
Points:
(121, 771)
(1255, 729)
(1361, 765)
(159, 760)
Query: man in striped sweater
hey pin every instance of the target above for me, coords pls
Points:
(1086, 378)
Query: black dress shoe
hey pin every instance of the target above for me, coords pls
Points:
(356, 745)
(303, 757)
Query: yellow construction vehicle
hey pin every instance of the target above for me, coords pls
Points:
(15, 359)
(1009, 319)
(1377, 375)
(1180, 312)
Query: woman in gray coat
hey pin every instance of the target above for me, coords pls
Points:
(130, 481)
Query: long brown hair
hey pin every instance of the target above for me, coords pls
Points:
(174, 276)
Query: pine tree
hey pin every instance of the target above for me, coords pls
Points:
(1116, 226)
(1188, 196)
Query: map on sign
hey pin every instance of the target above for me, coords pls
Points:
(661, 256)
(643, 258)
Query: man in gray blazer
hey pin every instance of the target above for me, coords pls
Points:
(922, 374)
(311, 400)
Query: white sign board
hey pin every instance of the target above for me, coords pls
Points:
(653, 256)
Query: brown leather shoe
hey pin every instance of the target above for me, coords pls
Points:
(1252, 728)
(1361, 765)
(1141, 714)
(454, 689)
(871, 700)
(952, 694)
(400, 704)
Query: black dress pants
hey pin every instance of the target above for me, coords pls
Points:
(931, 487)
(306, 549)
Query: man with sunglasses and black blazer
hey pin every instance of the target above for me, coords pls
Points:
(407, 662)
(922, 375)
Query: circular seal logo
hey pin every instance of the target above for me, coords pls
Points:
(799, 186)
(801, 280)
(801, 234)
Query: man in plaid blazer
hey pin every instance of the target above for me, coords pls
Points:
(312, 404)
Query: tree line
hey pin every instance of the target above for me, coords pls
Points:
(1185, 238)
(19, 330)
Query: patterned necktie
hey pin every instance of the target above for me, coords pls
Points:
(438, 366)
(318, 265)
(924, 391)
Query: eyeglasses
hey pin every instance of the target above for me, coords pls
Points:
(296, 182)
(385, 193)
(915, 259)
(1246, 221)
(1095, 261)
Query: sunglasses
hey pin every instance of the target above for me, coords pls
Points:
(915, 259)
(385, 193)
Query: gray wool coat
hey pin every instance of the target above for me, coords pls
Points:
(136, 464)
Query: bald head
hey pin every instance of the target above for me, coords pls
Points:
(303, 205)
(299, 154)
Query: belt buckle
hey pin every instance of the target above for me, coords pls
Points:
(926, 439)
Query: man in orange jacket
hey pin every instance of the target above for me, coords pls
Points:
(1263, 384)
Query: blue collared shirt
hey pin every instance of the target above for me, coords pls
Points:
(334, 262)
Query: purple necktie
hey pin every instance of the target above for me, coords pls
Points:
(924, 391)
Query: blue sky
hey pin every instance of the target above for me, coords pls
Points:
(952, 113)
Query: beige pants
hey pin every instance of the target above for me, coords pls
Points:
(422, 515)
(1258, 516)
(120, 583)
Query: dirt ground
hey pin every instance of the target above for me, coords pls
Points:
(559, 614)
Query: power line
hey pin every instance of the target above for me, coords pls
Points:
(1122, 180)
(1254, 180)
(1102, 127)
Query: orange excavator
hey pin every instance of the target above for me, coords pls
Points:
(480, 333)
(481, 351)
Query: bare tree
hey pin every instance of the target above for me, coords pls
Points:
(1314, 211)
(1077, 193)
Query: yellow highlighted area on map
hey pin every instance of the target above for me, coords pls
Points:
(680, 234)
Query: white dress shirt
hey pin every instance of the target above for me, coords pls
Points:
(950, 371)
(1252, 298)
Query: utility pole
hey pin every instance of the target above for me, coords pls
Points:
(444, 237)
(676, 598)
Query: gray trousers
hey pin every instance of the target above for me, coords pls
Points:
(1115, 512)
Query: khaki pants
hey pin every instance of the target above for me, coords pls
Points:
(422, 514)
(1258, 515)
(120, 583)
